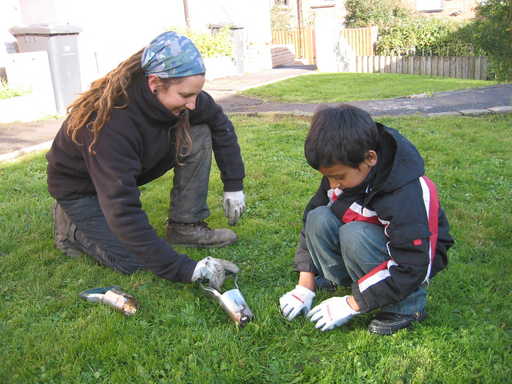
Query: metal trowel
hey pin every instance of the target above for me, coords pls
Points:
(233, 302)
(112, 296)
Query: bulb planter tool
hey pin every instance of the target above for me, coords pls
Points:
(112, 296)
(233, 303)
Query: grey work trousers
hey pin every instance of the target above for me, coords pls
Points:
(188, 204)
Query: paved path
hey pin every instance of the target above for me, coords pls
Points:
(465, 101)
(23, 137)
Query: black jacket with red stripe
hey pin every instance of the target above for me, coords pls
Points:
(397, 196)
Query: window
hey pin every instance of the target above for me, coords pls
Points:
(429, 5)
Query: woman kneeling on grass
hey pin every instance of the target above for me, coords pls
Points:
(143, 118)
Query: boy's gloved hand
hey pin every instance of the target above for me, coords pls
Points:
(296, 301)
(214, 271)
(234, 206)
(331, 313)
(333, 194)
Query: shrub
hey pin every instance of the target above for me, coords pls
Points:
(210, 44)
(381, 13)
(6, 92)
(280, 18)
(426, 36)
(492, 32)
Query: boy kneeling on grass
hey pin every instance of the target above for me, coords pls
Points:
(375, 223)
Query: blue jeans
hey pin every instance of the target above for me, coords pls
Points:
(343, 253)
(92, 234)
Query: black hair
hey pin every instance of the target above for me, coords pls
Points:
(340, 135)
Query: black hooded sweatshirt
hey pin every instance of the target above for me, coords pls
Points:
(397, 196)
(135, 146)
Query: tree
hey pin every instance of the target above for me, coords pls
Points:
(380, 13)
(493, 34)
(280, 18)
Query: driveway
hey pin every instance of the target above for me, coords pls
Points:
(441, 102)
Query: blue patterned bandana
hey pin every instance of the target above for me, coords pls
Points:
(172, 55)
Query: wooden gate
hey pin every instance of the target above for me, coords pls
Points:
(301, 40)
(360, 39)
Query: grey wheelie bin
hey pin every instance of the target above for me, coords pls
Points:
(60, 42)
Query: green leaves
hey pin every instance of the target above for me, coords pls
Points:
(210, 44)
(381, 13)
(426, 37)
(493, 34)
(6, 92)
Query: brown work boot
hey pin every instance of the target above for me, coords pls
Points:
(198, 235)
(64, 233)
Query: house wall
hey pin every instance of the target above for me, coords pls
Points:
(307, 13)
(450, 9)
(446, 9)
(9, 14)
(114, 29)
(111, 30)
(253, 16)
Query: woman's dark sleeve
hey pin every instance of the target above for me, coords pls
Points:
(113, 170)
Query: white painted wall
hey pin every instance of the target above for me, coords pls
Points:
(333, 54)
(9, 15)
(112, 30)
(252, 15)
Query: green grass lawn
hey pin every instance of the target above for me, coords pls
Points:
(50, 335)
(343, 87)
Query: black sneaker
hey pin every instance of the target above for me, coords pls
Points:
(387, 323)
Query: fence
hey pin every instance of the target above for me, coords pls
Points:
(464, 67)
(360, 39)
(302, 40)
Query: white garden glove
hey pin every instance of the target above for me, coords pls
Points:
(214, 271)
(234, 206)
(331, 313)
(333, 194)
(296, 301)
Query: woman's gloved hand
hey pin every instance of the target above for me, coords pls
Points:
(214, 271)
(295, 302)
(331, 313)
(234, 206)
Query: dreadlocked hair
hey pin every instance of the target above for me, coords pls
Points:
(105, 94)
(110, 92)
(183, 139)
